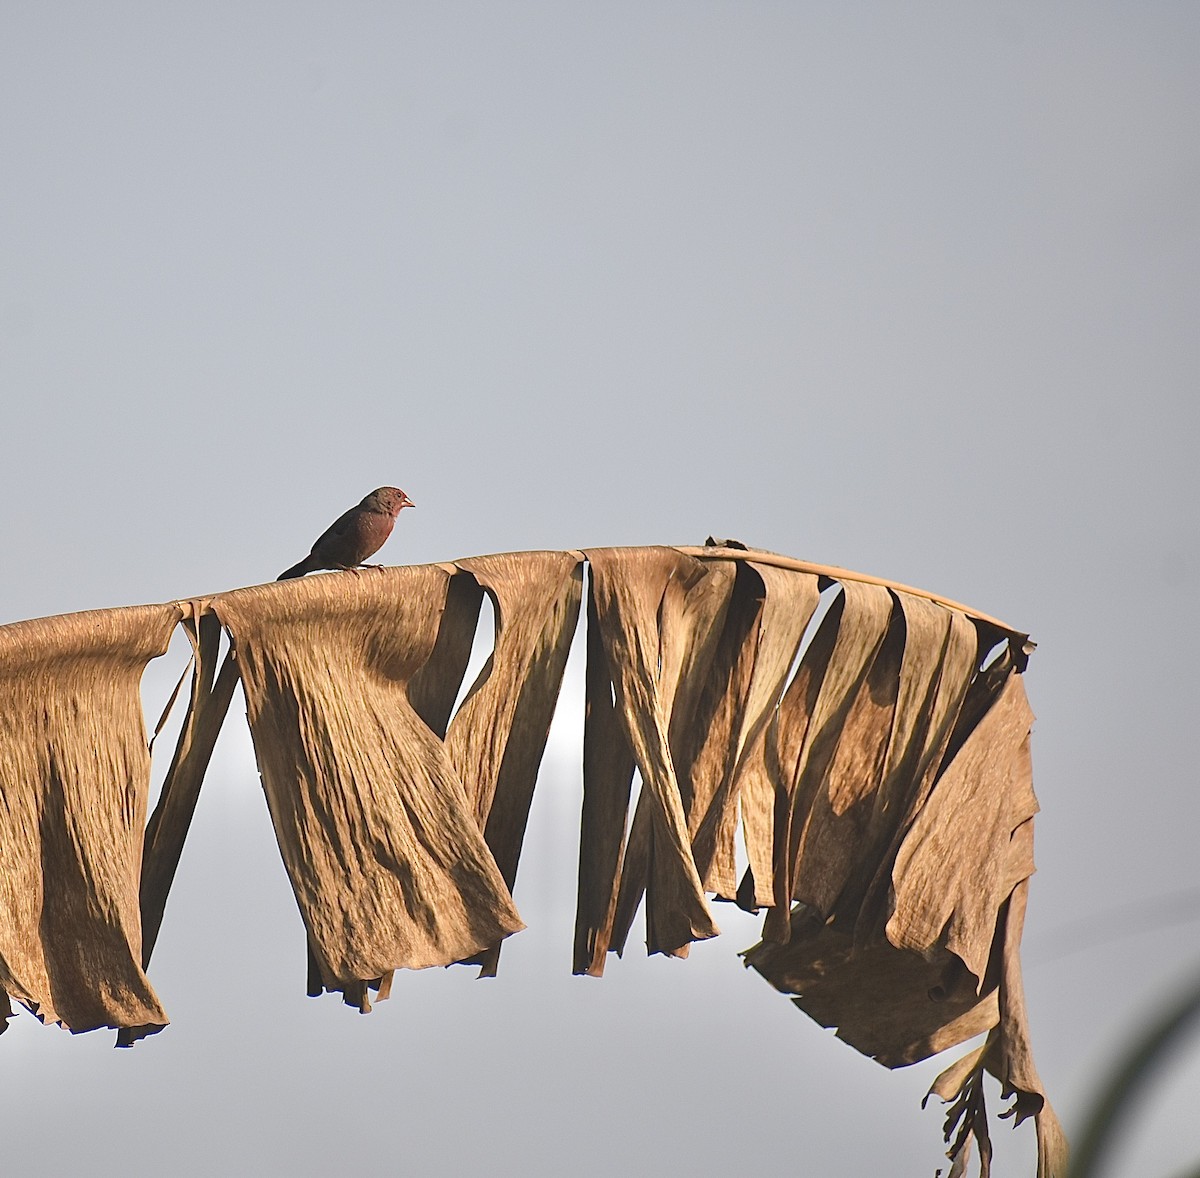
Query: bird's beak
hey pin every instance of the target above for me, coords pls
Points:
(406, 502)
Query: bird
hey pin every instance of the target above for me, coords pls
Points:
(354, 536)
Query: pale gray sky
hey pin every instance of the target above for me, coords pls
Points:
(911, 290)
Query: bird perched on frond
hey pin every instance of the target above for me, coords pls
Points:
(354, 536)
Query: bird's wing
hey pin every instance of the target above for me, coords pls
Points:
(338, 528)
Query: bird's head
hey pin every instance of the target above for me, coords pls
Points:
(388, 499)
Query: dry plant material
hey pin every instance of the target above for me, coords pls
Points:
(211, 693)
(377, 831)
(913, 852)
(498, 735)
(870, 743)
(74, 779)
(885, 798)
(659, 615)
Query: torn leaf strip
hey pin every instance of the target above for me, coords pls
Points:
(74, 779)
(498, 735)
(658, 617)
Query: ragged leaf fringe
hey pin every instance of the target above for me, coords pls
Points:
(864, 744)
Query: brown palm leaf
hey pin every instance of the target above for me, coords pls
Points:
(865, 743)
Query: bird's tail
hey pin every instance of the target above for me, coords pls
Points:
(298, 570)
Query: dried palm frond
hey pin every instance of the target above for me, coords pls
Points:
(882, 789)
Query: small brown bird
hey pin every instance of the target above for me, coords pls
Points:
(354, 536)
